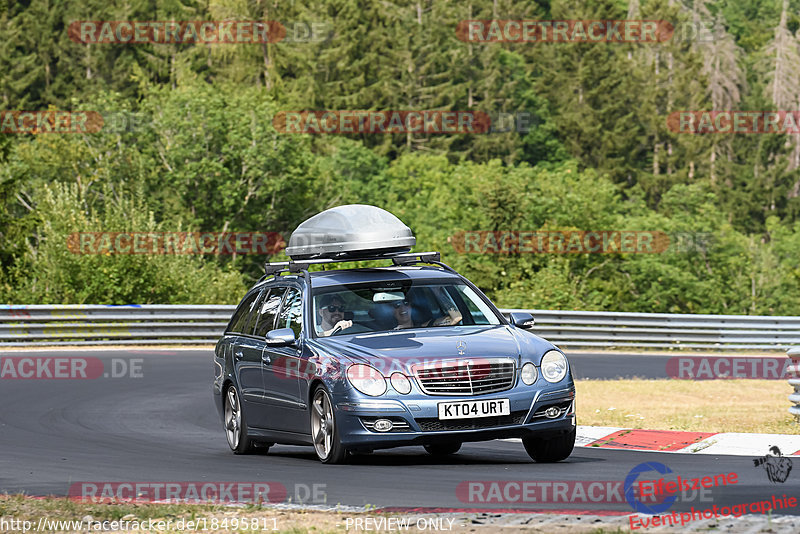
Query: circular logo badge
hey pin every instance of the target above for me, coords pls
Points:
(630, 484)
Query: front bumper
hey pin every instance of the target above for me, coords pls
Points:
(416, 421)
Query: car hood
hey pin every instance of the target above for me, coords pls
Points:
(398, 351)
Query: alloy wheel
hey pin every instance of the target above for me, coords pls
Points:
(233, 419)
(322, 424)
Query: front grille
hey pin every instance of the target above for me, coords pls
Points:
(435, 425)
(477, 376)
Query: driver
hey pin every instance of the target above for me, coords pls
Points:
(331, 309)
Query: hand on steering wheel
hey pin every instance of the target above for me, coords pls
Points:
(341, 325)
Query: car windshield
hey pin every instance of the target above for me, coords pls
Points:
(398, 305)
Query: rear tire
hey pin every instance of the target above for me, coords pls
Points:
(235, 424)
(550, 450)
(443, 449)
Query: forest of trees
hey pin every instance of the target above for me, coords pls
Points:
(189, 145)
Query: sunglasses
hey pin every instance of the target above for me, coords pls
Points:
(334, 308)
(400, 303)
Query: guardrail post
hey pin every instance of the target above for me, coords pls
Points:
(794, 380)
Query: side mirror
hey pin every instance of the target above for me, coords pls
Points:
(281, 337)
(521, 320)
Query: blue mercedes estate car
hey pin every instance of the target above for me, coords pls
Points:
(409, 353)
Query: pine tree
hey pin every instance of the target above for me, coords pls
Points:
(724, 76)
(783, 91)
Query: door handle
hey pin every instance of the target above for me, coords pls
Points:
(238, 354)
(266, 359)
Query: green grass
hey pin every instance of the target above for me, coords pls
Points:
(759, 406)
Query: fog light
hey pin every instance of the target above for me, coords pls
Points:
(552, 412)
(383, 425)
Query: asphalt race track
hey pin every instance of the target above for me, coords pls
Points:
(160, 426)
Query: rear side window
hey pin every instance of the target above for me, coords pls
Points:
(268, 310)
(292, 312)
(240, 318)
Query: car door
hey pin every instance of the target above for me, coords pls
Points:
(265, 321)
(281, 368)
(247, 351)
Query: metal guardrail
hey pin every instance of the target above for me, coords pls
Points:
(112, 325)
(203, 324)
(794, 372)
(665, 330)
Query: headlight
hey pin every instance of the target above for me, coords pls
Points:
(529, 373)
(401, 383)
(367, 380)
(554, 366)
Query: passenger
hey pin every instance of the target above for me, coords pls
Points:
(331, 309)
(402, 314)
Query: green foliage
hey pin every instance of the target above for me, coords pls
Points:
(203, 154)
(51, 272)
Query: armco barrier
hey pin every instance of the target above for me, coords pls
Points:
(794, 373)
(203, 324)
(91, 324)
(665, 330)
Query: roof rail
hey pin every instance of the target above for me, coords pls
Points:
(407, 258)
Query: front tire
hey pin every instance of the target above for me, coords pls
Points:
(324, 431)
(235, 424)
(550, 450)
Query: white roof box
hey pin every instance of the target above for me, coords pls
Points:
(354, 230)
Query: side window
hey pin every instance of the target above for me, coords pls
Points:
(479, 312)
(292, 312)
(268, 311)
(250, 325)
(242, 314)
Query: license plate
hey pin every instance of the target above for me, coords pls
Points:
(470, 409)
